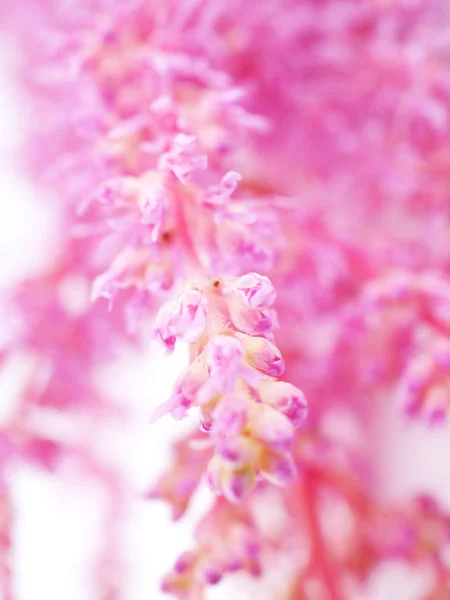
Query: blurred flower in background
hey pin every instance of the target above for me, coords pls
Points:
(236, 218)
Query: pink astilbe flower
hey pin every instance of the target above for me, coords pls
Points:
(270, 187)
(232, 381)
(227, 541)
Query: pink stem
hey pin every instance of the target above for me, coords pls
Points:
(320, 560)
(183, 229)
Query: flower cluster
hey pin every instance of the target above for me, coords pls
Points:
(60, 345)
(248, 413)
(285, 169)
(227, 541)
(402, 318)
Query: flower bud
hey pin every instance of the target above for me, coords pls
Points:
(248, 320)
(224, 354)
(278, 469)
(256, 290)
(273, 429)
(264, 356)
(219, 195)
(183, 319)
(238, 451)
(225, 358)
(286, 398)
(185, 392)
(211, 574)
(230, 416)
(237, 483)
(184, 563)
(231, 483)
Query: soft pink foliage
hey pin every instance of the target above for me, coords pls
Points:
(270, 184)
